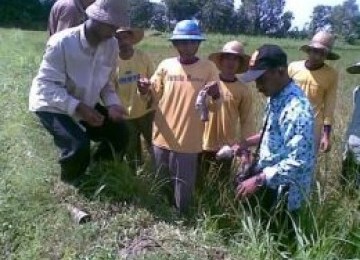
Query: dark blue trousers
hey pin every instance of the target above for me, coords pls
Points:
(73, 141)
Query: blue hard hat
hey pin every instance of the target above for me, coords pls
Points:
(187, 30)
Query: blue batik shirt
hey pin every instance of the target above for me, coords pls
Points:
(287, 154)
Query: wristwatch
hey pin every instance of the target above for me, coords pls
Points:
(259, 181)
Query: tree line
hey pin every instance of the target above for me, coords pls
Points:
(252, 17)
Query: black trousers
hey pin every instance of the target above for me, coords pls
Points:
(138, 127)
(350, 173)
(272, 207)
(73, 141)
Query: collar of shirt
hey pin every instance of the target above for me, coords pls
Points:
(84, 42)
(277, 100)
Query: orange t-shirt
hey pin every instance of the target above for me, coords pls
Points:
(177, 124)
(237, 107)
(320, 86)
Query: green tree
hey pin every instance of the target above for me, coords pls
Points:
(243, 23)
(216, 16)
(321, 18)
(181, 9)
(265, 17)
(345, 19)
(159, 20)
(141, 12)
(22, 13)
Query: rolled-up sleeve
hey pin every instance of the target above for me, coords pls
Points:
(48, 88)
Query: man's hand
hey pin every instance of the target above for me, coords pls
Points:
(212, 89)
(116, 113)
(90, 115)
(143, 85)
(239, 148)
(249, 187)
(325, 144)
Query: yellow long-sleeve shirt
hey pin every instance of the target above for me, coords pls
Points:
(127, 74)
(320, 86)
(237, 106)
(177, 124)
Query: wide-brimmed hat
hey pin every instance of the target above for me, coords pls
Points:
(113, 12)
(268, 56)
(187, 30)
(322, 40)
(136, 33)
(235, 48)
(354, 69)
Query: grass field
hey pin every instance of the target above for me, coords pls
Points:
(128, 215)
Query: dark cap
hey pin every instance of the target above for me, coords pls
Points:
(268, 56)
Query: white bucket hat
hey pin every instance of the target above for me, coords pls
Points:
(322, 40)
(113, 12)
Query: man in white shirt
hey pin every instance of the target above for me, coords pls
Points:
(74, 76)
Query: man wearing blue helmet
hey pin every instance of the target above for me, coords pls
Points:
(178, 128)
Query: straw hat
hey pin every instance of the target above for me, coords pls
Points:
(322, 40)
(354, 69)
(113, 12)
(137, 34)
(236, 48)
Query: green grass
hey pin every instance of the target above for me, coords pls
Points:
(128, 213)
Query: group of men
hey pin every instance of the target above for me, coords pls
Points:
(86, 90)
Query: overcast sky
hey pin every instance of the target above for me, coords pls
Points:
(302, 9)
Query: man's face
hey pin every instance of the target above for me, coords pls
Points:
(187, 48)
(229, 63)
(104, 31)
(124, 39)
(268, 83)
(317, 56)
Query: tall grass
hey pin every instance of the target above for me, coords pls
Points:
(129, 216)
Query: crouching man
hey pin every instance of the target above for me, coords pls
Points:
(285, 161)
(74, 76)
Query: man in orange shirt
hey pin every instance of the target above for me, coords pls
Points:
(178, 129)
(319, 81)
(221, 129)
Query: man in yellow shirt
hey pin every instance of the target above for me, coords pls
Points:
(319, 81)
(133, 64)
(178, 129)
(221, 129)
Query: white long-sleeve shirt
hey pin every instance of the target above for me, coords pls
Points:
(72, 71)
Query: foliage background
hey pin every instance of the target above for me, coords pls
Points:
(253, 17)
(128, 216)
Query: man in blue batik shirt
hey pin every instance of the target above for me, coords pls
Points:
(287, 152)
